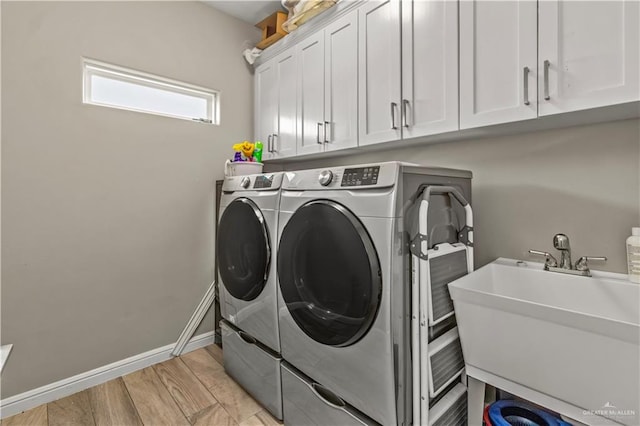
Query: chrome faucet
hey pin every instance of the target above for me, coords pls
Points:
(561, 243)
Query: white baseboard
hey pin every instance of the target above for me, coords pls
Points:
(54, 391)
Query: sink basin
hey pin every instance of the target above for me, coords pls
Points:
(576, 339)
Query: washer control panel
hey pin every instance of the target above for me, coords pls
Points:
(360, 176)
(263, 181)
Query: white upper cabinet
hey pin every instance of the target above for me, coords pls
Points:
(498, 62)
(341, 83)
(283, 143)
(328, 87)
(284, 140)
(429, 67)
(379, 83)
(276, 103)
(389, 70)
(310, 55)
(589, 53)
(266, 106)
(524, 59)
(421, 100)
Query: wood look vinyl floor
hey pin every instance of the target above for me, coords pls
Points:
(191, 389)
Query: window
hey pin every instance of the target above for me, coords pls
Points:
(117, 87)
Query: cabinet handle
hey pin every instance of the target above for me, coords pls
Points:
(393, 116)
(405, 109)
(318, 134)
(526, 86)
(326, 132)
(269, 143)
(273, 144)
(547, 64)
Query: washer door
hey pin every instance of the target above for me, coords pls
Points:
(329, 273)
(243, 249)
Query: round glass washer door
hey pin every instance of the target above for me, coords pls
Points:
(243, 249)
(329, 273)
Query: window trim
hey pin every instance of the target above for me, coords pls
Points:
(91, 67)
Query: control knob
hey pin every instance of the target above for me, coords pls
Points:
(325, 178)
(245, 182)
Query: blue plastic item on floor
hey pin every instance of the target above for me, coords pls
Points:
(516, 413)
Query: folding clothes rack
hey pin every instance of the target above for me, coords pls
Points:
(439, 383)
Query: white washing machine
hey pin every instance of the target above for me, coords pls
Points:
(344, 277)
(246, 250)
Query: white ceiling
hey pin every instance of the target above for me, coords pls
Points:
(247, 10)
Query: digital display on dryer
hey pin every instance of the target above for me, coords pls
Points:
(360, 176)
(263, 182)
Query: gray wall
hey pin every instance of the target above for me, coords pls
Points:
(107, 219)
(583, 181)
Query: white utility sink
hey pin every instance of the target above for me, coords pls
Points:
(574, 339)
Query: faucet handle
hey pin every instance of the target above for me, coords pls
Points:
(549, 260)
(583, 263)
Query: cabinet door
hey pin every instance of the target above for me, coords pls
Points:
(341, 83)
(379, 64)
(498, 62)
(589, 50)
(429, 67)
(284, 139)
(266, 105)
(310, 57)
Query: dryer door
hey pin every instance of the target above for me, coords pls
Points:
(243, 249)
(329, 273)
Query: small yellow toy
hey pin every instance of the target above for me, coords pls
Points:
(245, 148)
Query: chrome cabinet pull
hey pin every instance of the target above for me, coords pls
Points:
(269, 143)
(326, 132)
(547, 64)
(318, 134)
(273, 144)
(393, 116)
(405, 109)
(526, 86)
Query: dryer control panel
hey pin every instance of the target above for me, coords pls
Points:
(349, 178)
(360, 176)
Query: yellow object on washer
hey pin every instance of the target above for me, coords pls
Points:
(245, 148)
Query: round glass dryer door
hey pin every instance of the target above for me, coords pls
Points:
(329, 273)
(243, 249)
